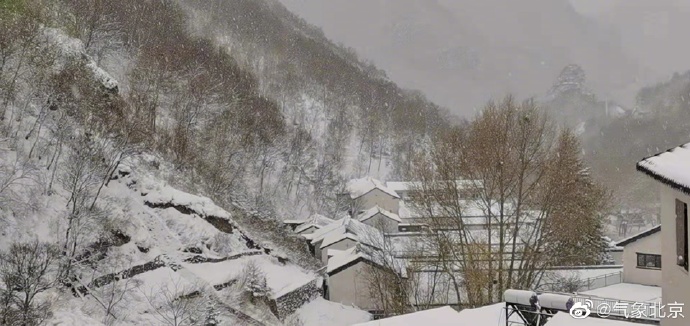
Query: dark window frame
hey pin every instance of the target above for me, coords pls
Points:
(644, 260)
(681, 234)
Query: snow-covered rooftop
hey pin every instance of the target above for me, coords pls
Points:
(417, 185)
(444, 316)
(359, 187)
(341, 258)
(346, 227)
(671, 167)
(639, 235)
(369, 213)
(337, 237)
(628, 292)
(316, 220)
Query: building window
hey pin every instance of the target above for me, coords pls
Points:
(682, 234)
(648, 261)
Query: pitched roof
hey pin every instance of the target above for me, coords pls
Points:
(341, 260)
(345, 227)
(631, 239)
(671, 167)
(335, 238)
(360, 187)
(316, 220)
(371, 212)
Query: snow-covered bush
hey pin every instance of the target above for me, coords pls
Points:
(254, 282)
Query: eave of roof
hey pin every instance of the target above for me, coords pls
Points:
(638, 236)
(641, 166)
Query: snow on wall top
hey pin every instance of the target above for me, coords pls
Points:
(444, 316)
(359, 187)
(671, 167)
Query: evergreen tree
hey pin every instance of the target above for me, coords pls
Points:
(577, 204)
(255, 282)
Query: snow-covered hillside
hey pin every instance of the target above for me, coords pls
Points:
(114, 219)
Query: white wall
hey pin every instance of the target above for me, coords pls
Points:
(631, 273)
(380, 198)
(341, 245)
(350, 287)
(382, 223)
(676, 281)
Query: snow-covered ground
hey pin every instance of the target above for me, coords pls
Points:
(488, 315)
(587, 273)
(281, 279)
(564, 319)
(628, 292)
(444, 316)
(323, 312)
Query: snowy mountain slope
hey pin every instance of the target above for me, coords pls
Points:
(131, 247)
(462, 53)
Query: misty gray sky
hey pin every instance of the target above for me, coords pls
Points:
(593, 7)
(463, 52)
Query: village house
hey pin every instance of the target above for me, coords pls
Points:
(672, 170)
(366, 193)
(408, 190)
(381, 219)
(642, 257)
(349, 276)
(342, 235)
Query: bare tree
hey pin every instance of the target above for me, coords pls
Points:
(386, 275)
(81, 177)
(112, 296)
(174, 303)
(17, 175)
(492, 195)
(26, 270)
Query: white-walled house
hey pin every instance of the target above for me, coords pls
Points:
(672, 170)
(347, 282)
(342, 234)
(642, 257)
(381, 219)
(407, 190)
(348, 273)
(365, 193)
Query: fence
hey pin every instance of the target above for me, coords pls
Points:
(601, 281)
